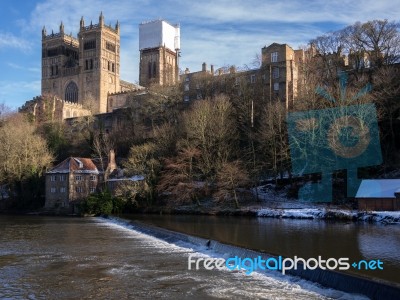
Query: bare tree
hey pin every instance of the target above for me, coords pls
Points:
(210, 127)
(229, 178)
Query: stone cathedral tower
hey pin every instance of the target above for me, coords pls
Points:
(159, 45)
(82, 70)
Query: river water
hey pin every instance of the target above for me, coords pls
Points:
(301, 238)
(92, 258)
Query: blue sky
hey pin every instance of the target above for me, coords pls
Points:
(226, 32)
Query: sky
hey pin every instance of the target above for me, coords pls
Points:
(218, 32)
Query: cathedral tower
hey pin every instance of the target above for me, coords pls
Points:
(159, 45)
(84, 69)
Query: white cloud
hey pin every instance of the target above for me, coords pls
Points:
(19, 67)
(221, 32)
(9, 40)
(16, 93)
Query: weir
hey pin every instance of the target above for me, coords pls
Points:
(374, 289)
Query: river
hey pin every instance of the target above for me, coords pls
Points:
(93, 258)
(297, 237)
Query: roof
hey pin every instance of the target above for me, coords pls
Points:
(133, 178)
(378, 188)
(75, 165)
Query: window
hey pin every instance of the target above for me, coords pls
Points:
(62, 190)
(62, 177)
(110, 46)
(78, 178)
(112, 67)
(252, 78)
(276, 86)
(53, 178)
(92, 177)
(92, 189)
(89, 45)
(71, 92)
(53, 190)
(187, 78)
(237, 81)
(109, 66)
(86, 65)
(78, 189)
(186, 87)
(154, 69)
(274, 56)
(149, 71)
(186, 98)
(275, 73)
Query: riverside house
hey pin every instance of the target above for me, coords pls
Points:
(70, 182)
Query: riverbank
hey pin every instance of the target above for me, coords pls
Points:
(266, 202)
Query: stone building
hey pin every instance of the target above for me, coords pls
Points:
(278, 77)
(70, 182)
(159, 44)
(281, 70)
(83, 70)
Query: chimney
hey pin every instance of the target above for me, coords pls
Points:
(187, 71)
(212, 69)
(204, 67)
(111, 162)
(232, 69)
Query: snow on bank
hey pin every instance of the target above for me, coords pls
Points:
(386, 217)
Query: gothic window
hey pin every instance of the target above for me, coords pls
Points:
(113, 67)
(86, 65)
(91, 64)
(71, 92)
(89, 45)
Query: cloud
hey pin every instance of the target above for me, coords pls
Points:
(19, 67)
(16, 93)
(9, 40)
(224, 32)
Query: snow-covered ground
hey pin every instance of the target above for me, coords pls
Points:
(277, 205)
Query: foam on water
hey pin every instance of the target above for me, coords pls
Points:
(273, 285)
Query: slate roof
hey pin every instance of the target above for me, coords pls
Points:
(75, 165)
(378, 188)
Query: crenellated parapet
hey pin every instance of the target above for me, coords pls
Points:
(51, 108)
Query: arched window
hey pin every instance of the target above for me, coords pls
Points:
(71, 92)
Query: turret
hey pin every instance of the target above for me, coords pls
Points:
(101, 20)
(44, 33)
(82, 23)
(62, 28)
(117, 26)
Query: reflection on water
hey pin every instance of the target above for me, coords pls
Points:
(290, 237)
(71, 258)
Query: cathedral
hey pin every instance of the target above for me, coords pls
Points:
(81, 75)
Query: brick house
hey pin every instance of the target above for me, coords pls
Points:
(70, 182)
